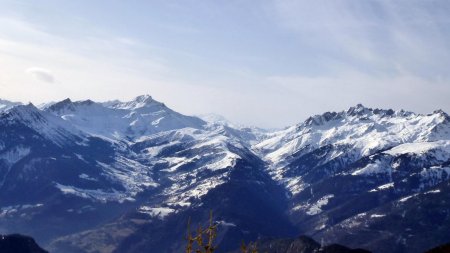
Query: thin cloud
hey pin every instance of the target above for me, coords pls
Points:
(41, 74)
(91, 67)
(340, 92)
(375, 37)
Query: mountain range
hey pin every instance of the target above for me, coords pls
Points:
(85, 176)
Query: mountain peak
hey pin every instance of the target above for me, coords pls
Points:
(144, 98)
(67, 101)
(27, 113)
(359, 109)
(442, 114)
(143, 101)
(61, 105)
(321, 119)
(86, 102)
(138, 102)
(27, 107)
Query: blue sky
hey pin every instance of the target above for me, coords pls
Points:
(264, 63)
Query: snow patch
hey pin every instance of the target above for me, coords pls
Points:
(433, 191)
(377, 215)
(372, 168)
(96, 195)
(87, 177)
(353, 221)
(226, 224)
(227, 161)
(433, 175)
(386, 186)
(16, 209)
(158, 212)
(316, 207)
(404, 199)
(420, 148)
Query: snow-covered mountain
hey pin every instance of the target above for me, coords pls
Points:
(342, 170)
(347, 136)
(216, 119)
(126, 176)
(123, 120)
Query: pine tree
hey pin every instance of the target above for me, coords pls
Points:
(210, 233)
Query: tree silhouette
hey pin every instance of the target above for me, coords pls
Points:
(196, 242)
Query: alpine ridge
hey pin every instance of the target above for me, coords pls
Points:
(127, 176)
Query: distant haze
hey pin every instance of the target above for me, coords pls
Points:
(262, 63)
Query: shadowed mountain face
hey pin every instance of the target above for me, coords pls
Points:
(19, 244)
(440, 249)
(126, 177)
(302, 244)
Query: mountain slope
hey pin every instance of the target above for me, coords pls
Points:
(123, 120)
(51, 172)
(198, 171)
(6, 105)
(341, 167)
(302, 244)
(126, 177)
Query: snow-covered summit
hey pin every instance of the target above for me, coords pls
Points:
(360, 129)
(25, 113)
(213, 118)
(358, 112)
(44, 123)
(136, 103)
(123, 120)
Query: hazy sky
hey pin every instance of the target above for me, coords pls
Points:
(265, 63)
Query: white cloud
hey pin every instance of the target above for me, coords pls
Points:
(41, 74)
